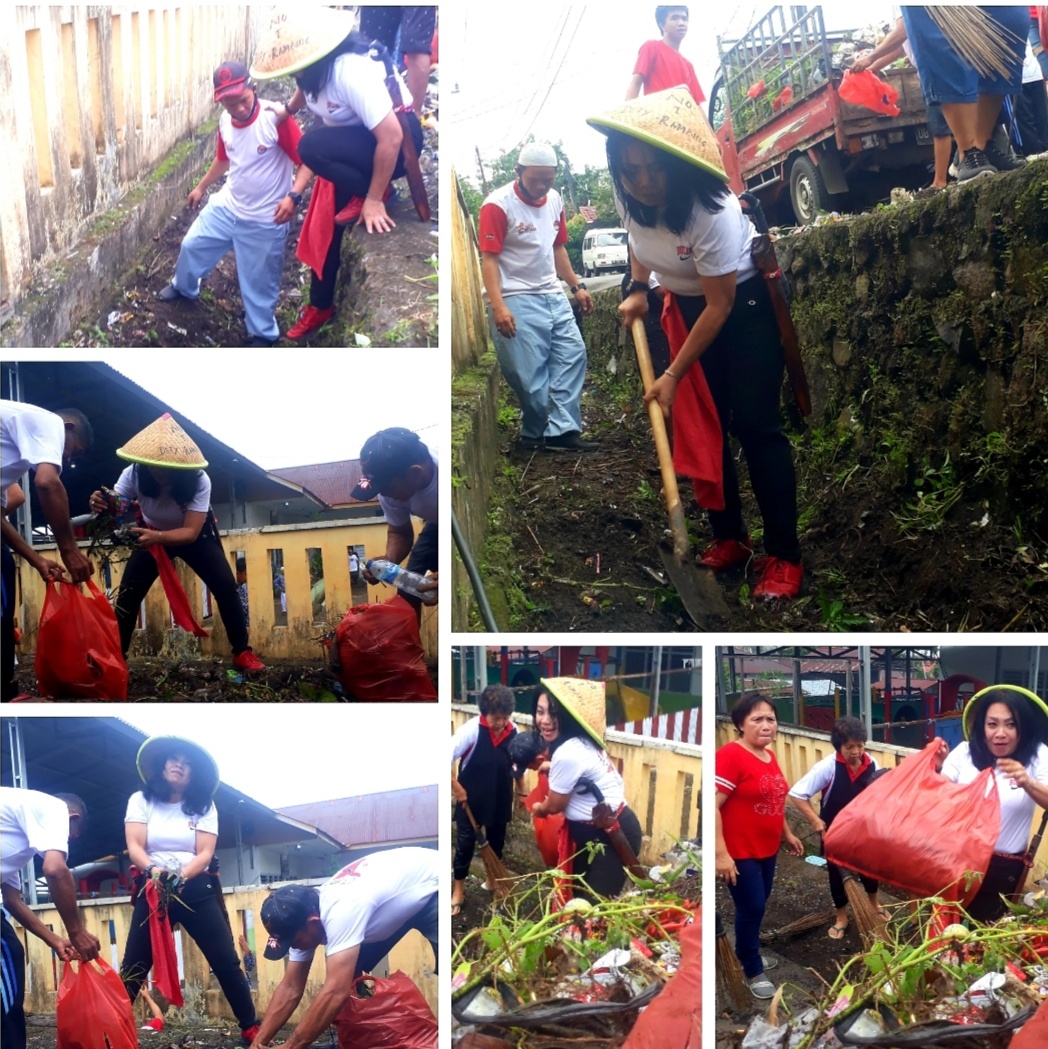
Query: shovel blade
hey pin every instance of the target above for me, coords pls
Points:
(696, 587)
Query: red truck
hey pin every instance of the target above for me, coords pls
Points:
(786, 134)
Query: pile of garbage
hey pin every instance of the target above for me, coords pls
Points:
(936, 981)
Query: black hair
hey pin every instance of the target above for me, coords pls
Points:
(81, 425)
(744, 706)
(567, 726)
(497, 699)
(183, 483)
(1031, 728)
(662, 12)
(689, 186)
(76, 805)
(845, 730)
(196, 798)
(313, 79)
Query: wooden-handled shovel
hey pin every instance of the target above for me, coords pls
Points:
(695, 586)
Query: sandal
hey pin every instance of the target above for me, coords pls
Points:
(456, 908)
(882, 913)
(837, 932)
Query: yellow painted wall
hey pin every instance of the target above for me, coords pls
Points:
(469, 322)
(293, 641)
(796, 750)
(662, 783)
(412, 956)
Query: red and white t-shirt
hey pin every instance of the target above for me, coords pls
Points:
(523, 235)
(753, 815)
(356, 93)
(662, 68)
(262, 158)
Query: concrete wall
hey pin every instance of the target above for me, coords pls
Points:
(797, 749)
(95, 96)
(293, 640)
(110, 921)
(662, 781)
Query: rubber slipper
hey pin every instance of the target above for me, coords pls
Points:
(840, 930)
(883, 914)
(456, 908)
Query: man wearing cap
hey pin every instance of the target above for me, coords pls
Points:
(36, 824)
(359, 915)
(540, 350)
(401, 472)
(34, 439)
(250, 213)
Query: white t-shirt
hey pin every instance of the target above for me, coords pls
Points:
(29, 436)
(356, 93)
(261, 169)
(710, 245)
(576, 758)
(422, 504)
(1017, 807)
(163, 512)
(170, 833)
(31, 823)
(819, 777)
(374, 896)
(523, 236)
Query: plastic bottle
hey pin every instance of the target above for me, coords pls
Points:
(388, 572)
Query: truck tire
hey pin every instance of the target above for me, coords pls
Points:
(808, 193)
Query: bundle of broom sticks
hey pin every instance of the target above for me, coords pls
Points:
(984, 44)
(500, 879)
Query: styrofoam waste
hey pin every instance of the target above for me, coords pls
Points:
(868, 1024)
(763, 1035)
(486, 1002)
(985, 990)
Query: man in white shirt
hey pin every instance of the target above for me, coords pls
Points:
(402, 473)
(36, 824)
(258, 147)
(360, 914)
(523, 235)
(34, 439)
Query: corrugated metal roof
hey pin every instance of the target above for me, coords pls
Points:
(331, 483)
(373, 819)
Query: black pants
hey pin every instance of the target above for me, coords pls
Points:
(7, 623)
(604, 874)
(423, 558)
(1002, 877)
(425, 920)
(202, 918)
(344, 156)
(466, 842)
(206, 557)
(12, 1026)
(744, 369)
(840, 897)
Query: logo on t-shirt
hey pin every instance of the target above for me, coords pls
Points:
(525, 227)
(683, 252)
(349, 871)
(332, 106)
(773, 796)
(262, 149)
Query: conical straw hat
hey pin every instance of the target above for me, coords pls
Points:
(583, 700)
(1040, 707)
(295, 39)
(164, 443)
(155, 750)
(671, 120)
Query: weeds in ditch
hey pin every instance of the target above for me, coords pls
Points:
(938, 491)
(835, 618)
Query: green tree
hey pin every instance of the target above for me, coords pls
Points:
(577, 227)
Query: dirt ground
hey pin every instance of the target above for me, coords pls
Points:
(394, 305)
(583, 531)
(215, 1034)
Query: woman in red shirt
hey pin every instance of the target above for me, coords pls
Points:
(751, 821)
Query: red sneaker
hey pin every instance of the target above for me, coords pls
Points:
(309, 320)
(247, 660)
(156, 1024)
(778, 580)
(726, 553)
(248, 1034)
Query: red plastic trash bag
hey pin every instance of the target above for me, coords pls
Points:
(674, 1019)
(1034, 1033)
(78, 652)
(547, 828)
(867, 89)
(93, 1010)
(918, 831)
(756, 90)
(393, 1016)
(377, 653)
(783, 98)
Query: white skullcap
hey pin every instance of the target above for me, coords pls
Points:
(537, 155)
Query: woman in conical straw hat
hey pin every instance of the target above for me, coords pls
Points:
(570, 716)
(688, 230)
(167, 480)
(356, 149)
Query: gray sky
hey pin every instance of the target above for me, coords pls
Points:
(293, 408)
(567, 63)
(289, 754)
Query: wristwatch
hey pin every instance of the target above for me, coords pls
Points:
(637, 285)
(576, 287)
(296, 197)
(287, 105)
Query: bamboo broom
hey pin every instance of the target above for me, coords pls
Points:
(729, 971)
(805, 924)
(869, 923)
(498, 877)
(983, 43)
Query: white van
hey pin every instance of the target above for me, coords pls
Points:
(604, 250)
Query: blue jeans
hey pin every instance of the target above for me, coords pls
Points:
(544, 363)
(750, 892)
(1038, 46)
(259, 251)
